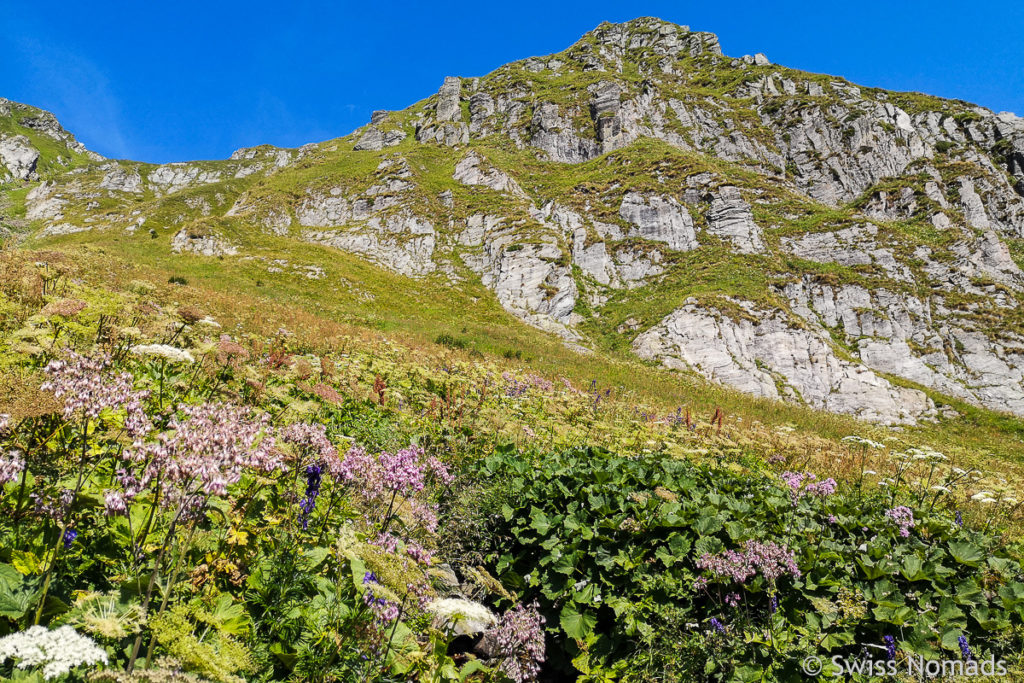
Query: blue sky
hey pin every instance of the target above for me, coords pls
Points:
(171, 81)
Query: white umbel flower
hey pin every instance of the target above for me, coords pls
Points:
(853, 438)
(171, 353)
(57, 652)
(463, 617)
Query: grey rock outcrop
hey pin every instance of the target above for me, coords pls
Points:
(473, 171)
(177, 176)
(19, 157)
(449, 107)
(201, 244)
(919, 340)
(530, 280)
(121, 179)
(401, 242)
(730, 218)
(762, 353)
(556, 135)
(375, 140)
(855, 246)
(661, 219)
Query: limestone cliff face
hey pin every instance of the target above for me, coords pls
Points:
(788, 234)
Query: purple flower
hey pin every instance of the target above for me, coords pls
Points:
(773, 604)
(387, 541)
(890, 648)
(768, 558)
(903, 517)
(88, 390)
(404, 473)
(418, 553)
(115, 504)
(806, 484)
(959, 519)
(370, 577)
(11, 465)
(384, 611)
(309, 438)
(519, 635)
(732, 599)
(57, 508)
(306, 505)
(207, 448)
(965, 649)
(717, 625)
(69, 537)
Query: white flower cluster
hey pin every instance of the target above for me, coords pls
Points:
(462, 616)
(853, 438)
(171, 353)
(57, 651)
(924, 453)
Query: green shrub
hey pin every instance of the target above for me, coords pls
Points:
(445, 339)
(610, 545)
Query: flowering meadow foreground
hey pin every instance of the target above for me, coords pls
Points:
(185, 502)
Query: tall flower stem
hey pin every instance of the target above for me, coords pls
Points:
(170, 586)
(152, 582)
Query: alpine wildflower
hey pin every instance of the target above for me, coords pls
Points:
(57, 651)
(890, 648)
(903, 517)
(965, 649)
(520, 639)
(313, 481)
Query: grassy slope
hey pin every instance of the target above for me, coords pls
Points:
(416, 311)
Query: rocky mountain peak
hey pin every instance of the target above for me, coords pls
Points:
(652, 35)
(789, 234)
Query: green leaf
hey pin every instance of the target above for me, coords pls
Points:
(911, 569)
(576, 624)
(539, 520)
(950, 638)
(471, 667)
(26, 562)
(948, 611)
(870, 569)
(965, 553)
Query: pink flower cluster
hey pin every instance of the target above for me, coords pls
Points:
(387, 475)
(806, 484)
(88, 389)
(384, 611)
(903, 517)
(54, 508)
(520, 638)
(516, 388)
(768, 558)
(207, 448)
(115, 503)
(11, 465)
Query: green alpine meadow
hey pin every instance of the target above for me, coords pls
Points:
(635, 362)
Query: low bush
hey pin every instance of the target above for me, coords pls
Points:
(661, 569)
